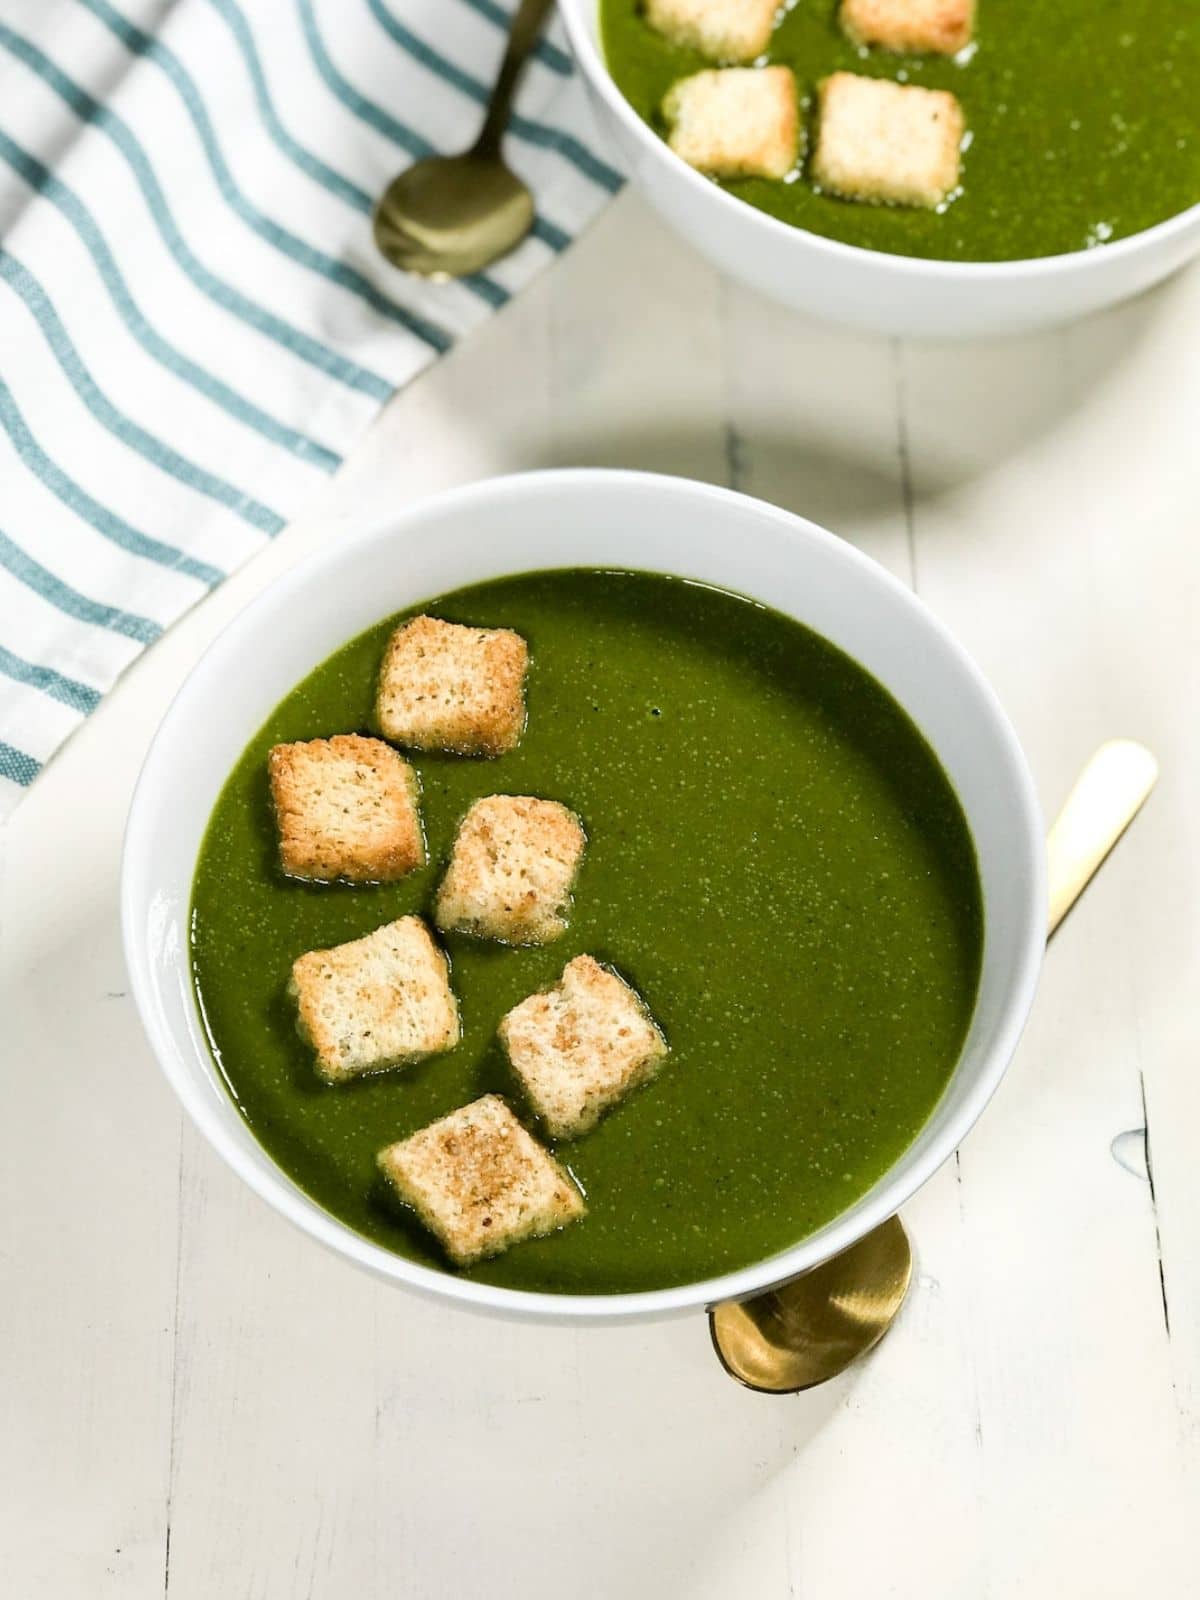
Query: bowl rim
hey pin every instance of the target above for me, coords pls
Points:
(271, 1182)
(595, 69)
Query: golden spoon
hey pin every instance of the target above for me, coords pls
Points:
(807, 1331)
(448, 216)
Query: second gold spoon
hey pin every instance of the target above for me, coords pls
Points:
(448, 216)
(809, 1330)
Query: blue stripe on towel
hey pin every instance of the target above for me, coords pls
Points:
(274, 234)
(17, 766)
(67, 691)
(75, 498)
(546, 51)
(19, 278)
(488, 290)
(385, 123)
(70, 602)
(536, 133)
(319, 171)
(223, 294)
(41, 179)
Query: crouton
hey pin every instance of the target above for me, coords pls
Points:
(735, 122)
(445, 687)
(480, 1182)
(887, 142)
(381, 1001)
(581, 1047)
(511, 870)
(346, 809)
(723, 30)
(936, 27)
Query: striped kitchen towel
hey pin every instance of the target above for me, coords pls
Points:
(194, 323)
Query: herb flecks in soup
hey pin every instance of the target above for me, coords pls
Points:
(776, 864)
(1083, 125)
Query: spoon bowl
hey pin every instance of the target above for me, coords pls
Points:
(448, 216)
(807, 1331)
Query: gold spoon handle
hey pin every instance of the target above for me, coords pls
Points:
(523, 35)
(1108, 794)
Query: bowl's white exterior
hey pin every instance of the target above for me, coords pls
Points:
(556, 519)
(867, 289)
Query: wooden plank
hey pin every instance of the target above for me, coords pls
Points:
(89, 1157)
(1143, 583)
(274, 1409)
(1081, 1470)
(636, 378)
(814, 425)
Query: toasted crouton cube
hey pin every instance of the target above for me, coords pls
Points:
(480, 1182)
(937, 27)
(887, 142)
(723, 30)
(446, 687)
(381, 1001)
(511, 870)
(735, 122)
(581, 1047)
(346, 809)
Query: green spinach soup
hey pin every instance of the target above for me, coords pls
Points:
(775, 860)
(1083, 122)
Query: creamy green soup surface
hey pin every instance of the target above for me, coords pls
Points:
(776, 860)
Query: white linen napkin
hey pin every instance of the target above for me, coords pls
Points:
(195, 325)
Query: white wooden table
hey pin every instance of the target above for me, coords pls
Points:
(196, 1401)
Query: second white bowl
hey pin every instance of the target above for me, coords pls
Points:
(867, 289)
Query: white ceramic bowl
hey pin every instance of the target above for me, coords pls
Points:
(561, 519)
(866, 288)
